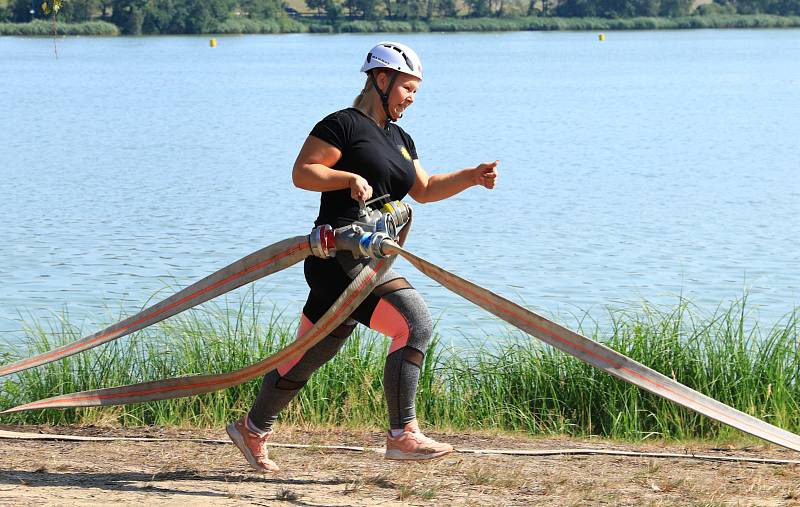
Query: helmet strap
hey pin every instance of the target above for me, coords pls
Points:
(384, 95)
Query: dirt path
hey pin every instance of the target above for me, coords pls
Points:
(182, 473)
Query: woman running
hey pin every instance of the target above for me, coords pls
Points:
(352, 155)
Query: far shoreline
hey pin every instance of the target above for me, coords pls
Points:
(41, 28)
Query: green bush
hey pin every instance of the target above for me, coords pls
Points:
(321, 28)
(715, 9)
(246, 25)
(289, 25)
(381, 25)
(358, 26)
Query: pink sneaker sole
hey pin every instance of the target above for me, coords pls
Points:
(414, 456)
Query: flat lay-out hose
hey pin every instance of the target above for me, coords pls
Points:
(292, 250)
(345, 304)
(600, 356)
(179, 387)
(266, 261)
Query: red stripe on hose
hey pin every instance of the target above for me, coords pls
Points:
(607, 361)
(353, 295)
(232, 277)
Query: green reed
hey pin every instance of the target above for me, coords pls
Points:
(47, 28)
(255, 26)
(524, 386)
(536, 23)
(511, 382)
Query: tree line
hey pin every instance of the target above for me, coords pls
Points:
(204, 16)
(151, 16)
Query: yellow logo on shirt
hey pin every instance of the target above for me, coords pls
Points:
(405, 153)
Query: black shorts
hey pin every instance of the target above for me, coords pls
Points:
(329, 278)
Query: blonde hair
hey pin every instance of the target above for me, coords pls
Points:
(364, 100)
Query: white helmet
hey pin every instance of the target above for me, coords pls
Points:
(393, 55)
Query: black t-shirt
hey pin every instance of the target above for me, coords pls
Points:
(383, 157)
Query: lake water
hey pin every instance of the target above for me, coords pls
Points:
(648, 166)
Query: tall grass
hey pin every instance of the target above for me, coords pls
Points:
(507, 24)
(641, 23)
(541, 390)
(383, 25)
(45, 28)
(511, 383)
(255, 26)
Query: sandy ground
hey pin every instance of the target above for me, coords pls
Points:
(181, 473)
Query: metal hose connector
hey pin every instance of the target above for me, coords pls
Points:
(371, 244)
(363, 238)
(321, 241)
(399, 211)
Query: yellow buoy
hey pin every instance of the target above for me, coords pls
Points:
(601, 36)
(212, 43)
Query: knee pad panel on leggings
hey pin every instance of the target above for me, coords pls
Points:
(284, 384)
(413, 356)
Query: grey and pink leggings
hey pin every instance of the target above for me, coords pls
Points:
(394, 309)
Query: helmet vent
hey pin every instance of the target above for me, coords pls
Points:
(408, 61)
(402, 53)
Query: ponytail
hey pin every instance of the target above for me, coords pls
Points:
(363, 100)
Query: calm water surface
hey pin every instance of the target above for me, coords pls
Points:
(648, 166)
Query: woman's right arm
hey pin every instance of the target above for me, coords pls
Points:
(313, 171)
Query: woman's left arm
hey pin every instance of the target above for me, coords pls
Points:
(441, 186)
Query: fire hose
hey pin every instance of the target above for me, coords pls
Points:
(374, 235)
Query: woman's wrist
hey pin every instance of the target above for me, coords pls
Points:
(474, 176)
